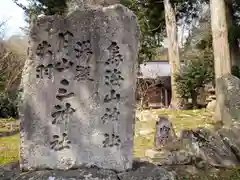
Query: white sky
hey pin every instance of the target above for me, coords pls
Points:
(15, 16)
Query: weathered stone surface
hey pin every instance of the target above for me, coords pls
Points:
(164, 132)
(9, 171)
(147, 170)
(211, 105)
(79, 174)
(140, 170)
(78, 90)
(200, 147)
(228, 99)
(178, 157)
(231, 138)
(210, 147)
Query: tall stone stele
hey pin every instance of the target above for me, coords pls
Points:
(79, 90)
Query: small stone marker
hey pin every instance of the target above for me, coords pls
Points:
(78, 90)
(164, 132)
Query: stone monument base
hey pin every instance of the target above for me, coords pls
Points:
(140, 171)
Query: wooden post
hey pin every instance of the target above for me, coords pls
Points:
(166, 97)
(161, 97)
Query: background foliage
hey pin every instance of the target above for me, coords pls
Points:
(194, 75)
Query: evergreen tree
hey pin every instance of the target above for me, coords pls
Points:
(47, 7)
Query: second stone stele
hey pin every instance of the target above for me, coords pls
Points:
(78, 94)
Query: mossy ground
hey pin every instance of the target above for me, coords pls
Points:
(9, 146)
(208, 174)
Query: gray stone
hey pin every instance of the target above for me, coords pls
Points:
(164, 157)
(9, 171)
(164, 132)
(149, 171)
(211, 105)
(79, 90)
(230, 137)
(228, 99)
(140, 170)
(79, 174)
(210, 147)
(200, 147)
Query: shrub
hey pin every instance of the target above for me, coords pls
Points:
(236, 71)
(8, 104)
(192, 76)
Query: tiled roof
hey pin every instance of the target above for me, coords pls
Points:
(154, 69)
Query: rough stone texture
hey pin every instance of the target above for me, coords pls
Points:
(149, 171)
(141, 170)
(164, 132)
(212, 105)
(79, 174)
(179, 157)
(9, 171)
(79, 90)
(200, 147)
(228, 99)
(209, 146)
(230, 137)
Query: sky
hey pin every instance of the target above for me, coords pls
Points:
(14, 15)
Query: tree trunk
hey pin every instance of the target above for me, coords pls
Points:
(233, 43)
(173, 49)
(222, 61)
(194, 96)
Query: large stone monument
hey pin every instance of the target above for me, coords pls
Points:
(79, 90)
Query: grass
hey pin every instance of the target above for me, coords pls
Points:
(9, 148)
(217, 174)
